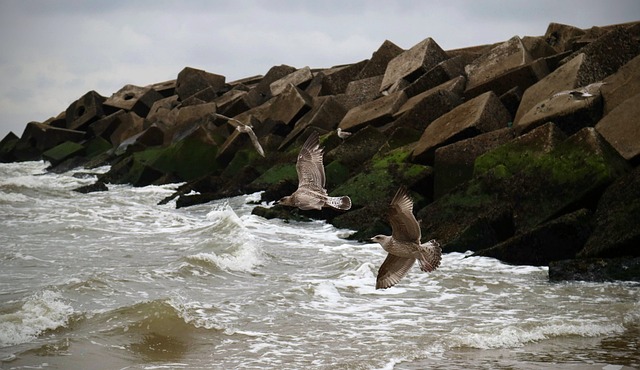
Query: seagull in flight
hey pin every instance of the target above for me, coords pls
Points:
(403, 246)
(311, 192)
(246, 129)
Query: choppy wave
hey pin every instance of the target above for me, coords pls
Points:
(46, 310)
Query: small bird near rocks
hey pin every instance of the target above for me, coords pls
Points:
(343, 134)
(311, 192)
(582, 93)
(404, 245)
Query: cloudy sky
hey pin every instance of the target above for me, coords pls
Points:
(53, 52)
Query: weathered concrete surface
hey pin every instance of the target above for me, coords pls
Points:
(84, 111)
(482, 114)
(191, 81)
(621, 128)
(376, 113)
(413, 63)
(448, 70)
(497, 61)
(621, 86)
(298, 78)
(419, 111)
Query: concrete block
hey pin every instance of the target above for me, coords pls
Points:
(336, 79)
(419, 111)
(444, 71)
(59, 153)
(290, 105)
(377, 112)
(297, 78)
(453, 163)
(84, 111)
(482, 114)
(325, 114)
(377, 65)
(621, 129)
(133, 98)
(413, 63)
(261, 92)
(499, 60)
(191, 81)
(126, 125)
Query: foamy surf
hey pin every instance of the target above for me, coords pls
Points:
(40, 312)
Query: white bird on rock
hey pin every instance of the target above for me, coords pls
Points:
(311, 193)
(342, 134)
(245, 129)
(404, 245)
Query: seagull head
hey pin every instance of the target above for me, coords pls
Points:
(382, 239)
(286, 201)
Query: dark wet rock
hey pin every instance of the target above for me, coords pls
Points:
(7, 146)
(335, 80)
(595, 269)
(299, 79)
(92, 188)
(621, 86)
(448, 70)
(454, 163)
(616, 232)
(555, 240)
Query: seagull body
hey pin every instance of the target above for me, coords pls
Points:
(311, 193)
(403, 246)
(245, 129)
(342, 134)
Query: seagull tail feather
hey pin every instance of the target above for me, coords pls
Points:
(342, 203)
(430, 256)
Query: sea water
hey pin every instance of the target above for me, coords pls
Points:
(112, 280)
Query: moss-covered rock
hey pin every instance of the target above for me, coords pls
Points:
(535, 187)
(61, 152)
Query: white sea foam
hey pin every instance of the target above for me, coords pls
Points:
(514, 336)
(43, 311)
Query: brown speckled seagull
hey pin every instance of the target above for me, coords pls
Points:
(404, 245)
(311, 193)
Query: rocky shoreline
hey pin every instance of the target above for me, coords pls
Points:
(526, 150)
